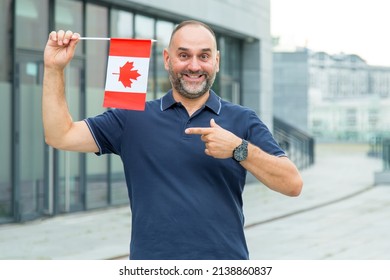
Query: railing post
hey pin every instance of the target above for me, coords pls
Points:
(383, 177)
(386, 154)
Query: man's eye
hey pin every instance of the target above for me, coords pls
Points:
(183, 55)
(204, 56)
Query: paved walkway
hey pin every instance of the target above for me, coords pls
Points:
(339, 215)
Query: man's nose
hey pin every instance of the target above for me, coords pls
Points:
(194, 64)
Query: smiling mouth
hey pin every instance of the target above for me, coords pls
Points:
(194, 76)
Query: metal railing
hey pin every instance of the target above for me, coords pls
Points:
(386, 154)
(298, 145)
(376, 146)
(380, 148)
(383, 177)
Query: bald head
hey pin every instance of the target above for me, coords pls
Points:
(193, 23)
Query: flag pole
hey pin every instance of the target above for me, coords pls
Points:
(94, 38)
(104, 38)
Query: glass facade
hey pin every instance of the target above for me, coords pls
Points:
(163, 34)
(37, 180)
(96, 55)
(66, 192)
(144, 29)
(31, 29)
(6, 191)
(230, 69)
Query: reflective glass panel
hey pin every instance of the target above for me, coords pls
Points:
(163, 32)
(31, 159)
(31, 24)
(5, 111)
(121, 24)
(96, 63)
(144, 29)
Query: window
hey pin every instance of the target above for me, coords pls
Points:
(96, 65)
(31, 33)
(228, 83)
(144, 29)
(373, 119)
(351, 117)
(5, 111)
(121, 24)
(31, 24)
(163, 35)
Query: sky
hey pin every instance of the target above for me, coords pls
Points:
(360, 27)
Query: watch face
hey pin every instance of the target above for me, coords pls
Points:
(241, 152)
(241, 155)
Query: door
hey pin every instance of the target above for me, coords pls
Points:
(47, 181)
(29, 152)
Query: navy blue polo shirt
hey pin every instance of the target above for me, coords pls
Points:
(185, 204)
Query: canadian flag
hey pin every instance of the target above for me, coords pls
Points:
(127, 74)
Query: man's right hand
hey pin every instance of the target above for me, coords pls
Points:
(60, 49)
(60, 130)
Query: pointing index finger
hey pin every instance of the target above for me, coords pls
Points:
(198, 130)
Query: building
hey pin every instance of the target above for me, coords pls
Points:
(36, 180)
(291, 85)
(333, 97)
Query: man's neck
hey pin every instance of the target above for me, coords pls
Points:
(191, 105)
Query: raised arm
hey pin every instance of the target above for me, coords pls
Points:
(60, 130)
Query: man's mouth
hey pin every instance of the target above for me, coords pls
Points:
(194, 77)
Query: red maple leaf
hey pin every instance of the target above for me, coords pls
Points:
(126, 74)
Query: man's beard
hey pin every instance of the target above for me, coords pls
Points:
(187, 89)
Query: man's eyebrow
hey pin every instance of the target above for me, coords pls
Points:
(182, 49)
(187, 49)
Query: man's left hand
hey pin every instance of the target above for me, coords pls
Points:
(219, 142)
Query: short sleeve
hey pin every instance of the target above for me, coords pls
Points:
(107, 130)
(261, 136)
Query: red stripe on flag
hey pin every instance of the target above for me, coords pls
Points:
(130, 47)
(124, 100)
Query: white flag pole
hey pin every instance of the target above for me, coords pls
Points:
(105, 38)
(94, 38)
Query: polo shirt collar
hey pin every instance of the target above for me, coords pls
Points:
(213, 102)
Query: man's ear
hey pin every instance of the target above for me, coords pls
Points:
(217, 61)
(166, 59)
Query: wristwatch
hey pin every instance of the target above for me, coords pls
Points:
(240, 153)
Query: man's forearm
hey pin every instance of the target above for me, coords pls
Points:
(56, 118)
(277, 173)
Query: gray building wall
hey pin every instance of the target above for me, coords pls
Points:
(291, 85)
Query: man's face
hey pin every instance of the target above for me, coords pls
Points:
(192, 61)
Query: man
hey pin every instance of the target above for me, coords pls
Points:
(185, 157)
